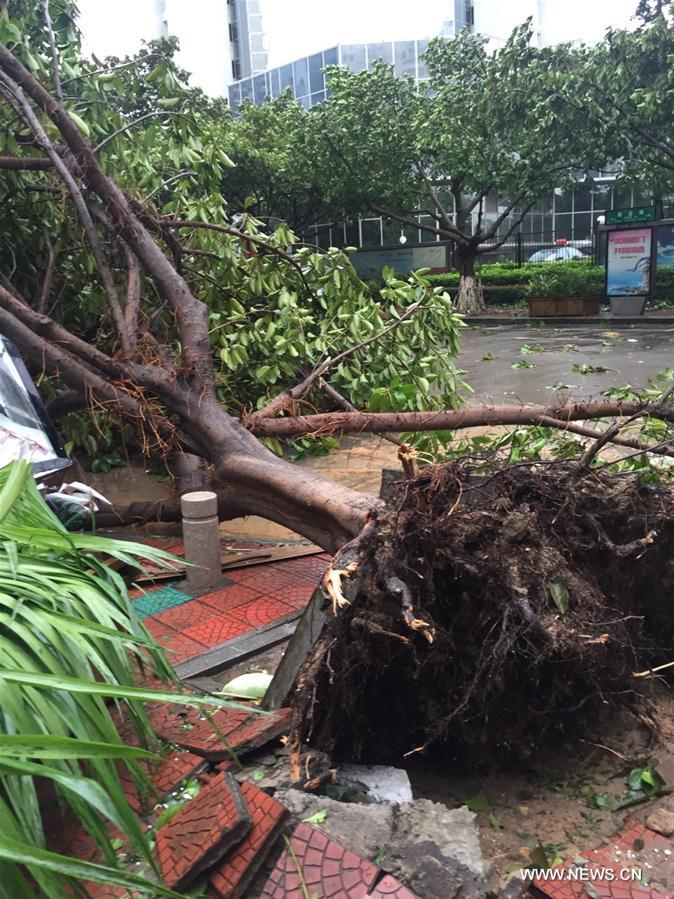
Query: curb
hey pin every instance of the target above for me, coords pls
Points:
(570, 320)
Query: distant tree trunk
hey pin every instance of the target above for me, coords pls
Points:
(470, 298)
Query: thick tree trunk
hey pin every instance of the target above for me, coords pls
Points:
(251, 480)
(470, 298)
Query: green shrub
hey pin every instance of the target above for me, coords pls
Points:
(588, 279)
(558, 281)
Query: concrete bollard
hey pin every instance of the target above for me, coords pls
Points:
(201, 538)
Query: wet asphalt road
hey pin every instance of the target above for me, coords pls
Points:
(631, 355)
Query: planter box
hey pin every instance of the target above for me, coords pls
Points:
(627, 306)
(543, 307)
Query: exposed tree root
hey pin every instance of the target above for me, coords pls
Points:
(492, 613)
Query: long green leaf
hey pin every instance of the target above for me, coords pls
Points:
(53, 746)
(24, 854)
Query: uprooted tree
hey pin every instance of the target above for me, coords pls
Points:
(157, 309)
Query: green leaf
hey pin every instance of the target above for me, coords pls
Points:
(54, 746)
(317, 818)
(478, 802)
(24, 854)
(560, 596)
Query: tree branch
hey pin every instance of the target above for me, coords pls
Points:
(58, 89)
(17, 99)
(477, 416)
(235, 232)
(289, 396)
(48, 275)
(142, 118)
(24, 164)
(343, 403)
(190, 313)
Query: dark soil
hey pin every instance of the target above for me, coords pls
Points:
(496, 615)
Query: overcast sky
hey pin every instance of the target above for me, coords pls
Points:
(298, 27)
(295, 28)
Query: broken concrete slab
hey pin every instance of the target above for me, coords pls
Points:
(434, 851)
(382, 783)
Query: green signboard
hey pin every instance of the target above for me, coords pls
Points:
(633, 214)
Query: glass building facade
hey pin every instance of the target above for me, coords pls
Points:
(306, 80)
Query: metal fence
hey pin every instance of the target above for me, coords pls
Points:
(520, 248)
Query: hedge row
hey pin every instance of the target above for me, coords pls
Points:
(515, 279)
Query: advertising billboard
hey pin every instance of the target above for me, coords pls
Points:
(628, 262)
(369, 263)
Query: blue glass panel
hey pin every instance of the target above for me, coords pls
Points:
(316, 80)
(301, 74)
(405, 58)
(384, 52)
(353, 57)
(286, 75)
(259, 88)
(330, 57)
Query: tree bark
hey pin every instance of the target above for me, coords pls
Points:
(470, 298)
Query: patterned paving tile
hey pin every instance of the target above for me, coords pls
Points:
(231, 879)
(389, 887)
(233, 732)
(202, 832)
(227, 599)
(327, 869)
(634, 846)
(158, 601)
(261, 610)
(216, 630)
(188, 726)
(163, 778)
(295, 595)
(262, 577)
(180, 647)
(157, 627)
(68, 837)
(185, 615)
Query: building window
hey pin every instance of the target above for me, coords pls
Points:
(236, 69)
(353, 57)
(286, 74)
(316, 80)
(331, 57)
(383, 52)
(405, 59)
(234, 96)
(259, 88)
(422, 46)
(301, 75)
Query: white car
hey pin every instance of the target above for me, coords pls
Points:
(556, 254)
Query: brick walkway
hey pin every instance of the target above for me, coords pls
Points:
(251, 597)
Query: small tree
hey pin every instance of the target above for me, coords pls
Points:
(482, 126)
(274, 177)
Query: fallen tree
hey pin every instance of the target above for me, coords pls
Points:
(490, 612)
(155, 369)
